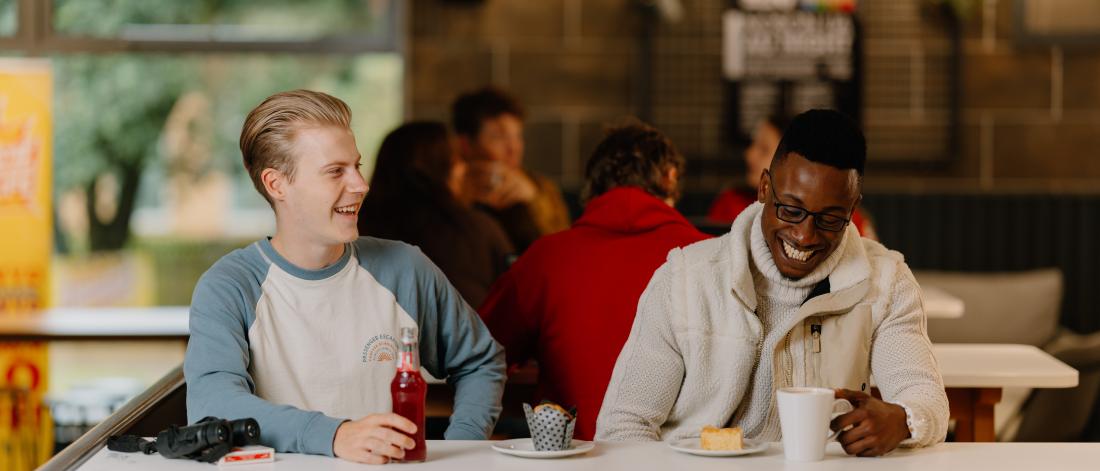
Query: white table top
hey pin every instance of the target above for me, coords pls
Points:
(478, 456)
(1001, 365)
(166, 322)
(939, 304)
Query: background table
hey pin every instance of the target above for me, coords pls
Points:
(100, 323)
(478, 456)
(975, 375)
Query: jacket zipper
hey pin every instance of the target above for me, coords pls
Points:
(789, 361)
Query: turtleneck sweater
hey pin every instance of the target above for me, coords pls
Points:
(777, 301)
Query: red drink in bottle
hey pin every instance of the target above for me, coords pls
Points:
(409, 391)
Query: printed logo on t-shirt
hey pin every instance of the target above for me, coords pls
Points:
(381, 347)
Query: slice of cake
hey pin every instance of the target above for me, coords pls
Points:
(713, 438)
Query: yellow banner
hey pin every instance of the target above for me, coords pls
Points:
(26, 87)
(25, 181)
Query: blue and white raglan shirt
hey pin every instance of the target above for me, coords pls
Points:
(303, 350)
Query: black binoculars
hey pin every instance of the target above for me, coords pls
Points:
(208, 439)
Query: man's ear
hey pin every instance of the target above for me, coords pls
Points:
(762, 187)
(274, 183)
(670, 180)
(670, 185)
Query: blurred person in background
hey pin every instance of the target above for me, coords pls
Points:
(570, 300)
(416, 197)
(489, 124)
(299, 330)
(758, 157)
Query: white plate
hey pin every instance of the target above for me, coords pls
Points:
(691, 446)
(525, 448)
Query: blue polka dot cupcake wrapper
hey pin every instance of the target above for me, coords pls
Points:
(551, 430)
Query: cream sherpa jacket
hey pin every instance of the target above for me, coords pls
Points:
(695, 341)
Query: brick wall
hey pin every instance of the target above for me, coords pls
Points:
(569, 61)
(1030, 114)
(1029, 120)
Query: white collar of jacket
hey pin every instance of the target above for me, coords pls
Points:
(848, 282)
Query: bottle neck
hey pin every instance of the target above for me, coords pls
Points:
(409, 359)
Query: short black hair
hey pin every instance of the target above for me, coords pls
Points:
(471, 109)
(824, 136)
(636, 155)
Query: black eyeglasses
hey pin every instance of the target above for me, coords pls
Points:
(797, 214)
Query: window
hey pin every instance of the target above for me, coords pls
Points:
(161, 87)
(178, 116)
(8, 14)
(232, 21)
(323, 26)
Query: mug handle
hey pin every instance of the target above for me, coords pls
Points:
(843, 404)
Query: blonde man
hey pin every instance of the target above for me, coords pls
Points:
(299, 330)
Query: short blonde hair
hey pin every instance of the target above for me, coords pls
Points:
(269, 130)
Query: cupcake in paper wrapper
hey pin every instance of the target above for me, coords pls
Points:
(551, 426)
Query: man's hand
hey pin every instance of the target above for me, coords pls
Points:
(498, 185)
(515, 187)
(374, 439)
(877, 427)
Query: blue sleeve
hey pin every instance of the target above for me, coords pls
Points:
(216, 369)
(456, 345)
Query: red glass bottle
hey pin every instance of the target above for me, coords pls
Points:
(409, 391)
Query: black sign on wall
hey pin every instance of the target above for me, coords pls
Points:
(786, 62)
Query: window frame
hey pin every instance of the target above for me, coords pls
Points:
(35, 36)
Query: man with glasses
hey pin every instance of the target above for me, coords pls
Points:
(792, 296)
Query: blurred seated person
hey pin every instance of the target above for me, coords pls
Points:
(415, 198)
(570, 300)
(758, 156)
(792, 296)
(489, 124)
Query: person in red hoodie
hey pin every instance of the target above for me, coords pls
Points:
(569, 301)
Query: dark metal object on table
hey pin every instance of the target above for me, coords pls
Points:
(208, 439)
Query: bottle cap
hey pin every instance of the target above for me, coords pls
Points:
(408, 334)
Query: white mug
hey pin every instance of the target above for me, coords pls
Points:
(804, 415)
